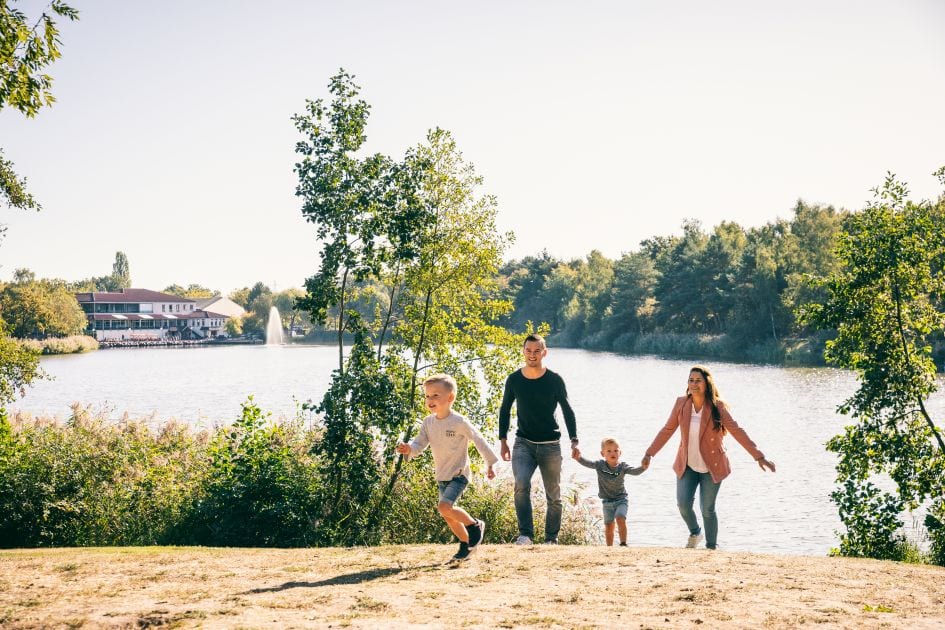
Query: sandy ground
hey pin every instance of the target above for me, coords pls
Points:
(501, 586)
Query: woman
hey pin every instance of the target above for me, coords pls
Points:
(703, 420)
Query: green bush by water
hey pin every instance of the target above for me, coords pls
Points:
(62, 345)
(90, 481)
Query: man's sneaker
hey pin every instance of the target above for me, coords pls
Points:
(463, 552)
(476, 533)
(551, 541)
(693, 540)
(523, 540)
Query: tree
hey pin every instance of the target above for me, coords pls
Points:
(448, 307)
(682, 286)
(885, 301)
(240, 296)
(351, 200)
(25, 51)
(121, 273)
(417, 239)
(524, 283)
(40, 309)
(631, 298)
(191, 291)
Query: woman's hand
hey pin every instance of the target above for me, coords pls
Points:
(764, 463)
(645, 462)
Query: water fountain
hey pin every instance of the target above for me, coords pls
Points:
(274, 328)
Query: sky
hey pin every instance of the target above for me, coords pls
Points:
(595, 124)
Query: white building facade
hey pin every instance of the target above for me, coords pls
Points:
(145, 315)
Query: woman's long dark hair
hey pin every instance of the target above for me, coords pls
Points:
(711, 395)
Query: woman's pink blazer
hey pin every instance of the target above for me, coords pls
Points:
(710, 440)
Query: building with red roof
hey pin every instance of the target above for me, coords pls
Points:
(145, 315)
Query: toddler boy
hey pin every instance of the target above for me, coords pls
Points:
(610, 485)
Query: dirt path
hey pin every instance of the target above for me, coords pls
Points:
(502, 586)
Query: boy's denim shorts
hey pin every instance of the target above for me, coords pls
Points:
(450, 490)
(614, 508)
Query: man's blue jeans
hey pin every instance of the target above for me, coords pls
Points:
(545, 456)
(708, 491)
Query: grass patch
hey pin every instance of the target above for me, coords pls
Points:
(879, 608)
(370, 605)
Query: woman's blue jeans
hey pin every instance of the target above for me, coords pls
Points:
(708, 491)
(526, 457)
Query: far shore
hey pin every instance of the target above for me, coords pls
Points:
(501, 586)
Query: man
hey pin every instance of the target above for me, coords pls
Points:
(537, 392)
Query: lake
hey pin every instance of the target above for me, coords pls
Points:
(789, 412)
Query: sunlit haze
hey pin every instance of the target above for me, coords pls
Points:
(596, 124)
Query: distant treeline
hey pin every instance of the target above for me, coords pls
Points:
(729, 292)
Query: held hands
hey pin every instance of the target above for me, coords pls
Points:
(403, 449)
(576, 453)
(645, 462)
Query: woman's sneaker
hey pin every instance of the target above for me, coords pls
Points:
(476, 533)
(694, 540)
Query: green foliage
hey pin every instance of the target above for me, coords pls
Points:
(93, 482)
(40, 309)
(885, 301)
(261, 486)
(738, 287)
(121, 273)
(118, 279)
(191, 291)
(25, 50)
(360, 411)
(415, 241)
(13, 191)
(412, 517)
(19, 366)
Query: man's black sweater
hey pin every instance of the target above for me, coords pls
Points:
(535, 402)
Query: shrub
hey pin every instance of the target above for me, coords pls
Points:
(412, 517)
(261, 481)
(62, 345)
(93, 482)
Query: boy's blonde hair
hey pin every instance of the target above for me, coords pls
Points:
(609, 440)
(445, 380)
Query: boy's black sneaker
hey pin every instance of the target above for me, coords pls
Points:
(476, 533)
(623, 544)
(463, 552)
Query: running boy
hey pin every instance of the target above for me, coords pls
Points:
(610, 485)
(448, 435)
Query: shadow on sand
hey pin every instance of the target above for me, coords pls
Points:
(348, 578)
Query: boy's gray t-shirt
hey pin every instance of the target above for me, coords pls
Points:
(449, 440)
(610, 481)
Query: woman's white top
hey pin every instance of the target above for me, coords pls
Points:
(695, 456)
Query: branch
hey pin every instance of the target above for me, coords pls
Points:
(905, 350)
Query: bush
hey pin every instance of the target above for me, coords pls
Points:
(62, 345)
(412, 516)
(935, 524)
(92, 482)
(261, 481)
